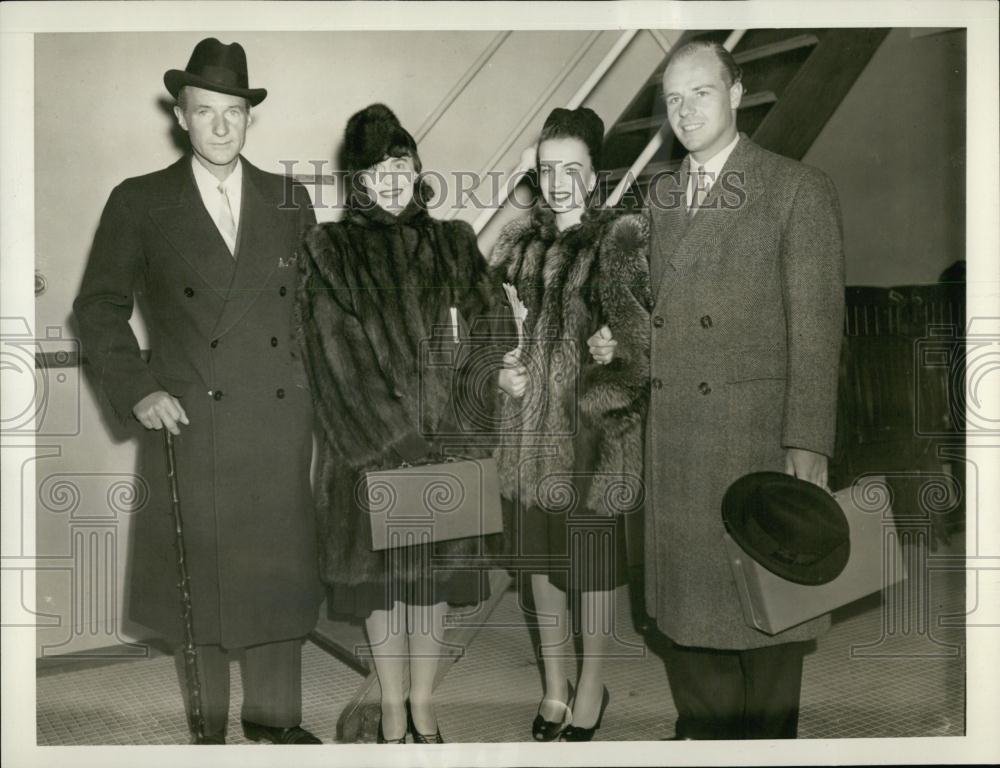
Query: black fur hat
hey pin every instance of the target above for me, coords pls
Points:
(581, 123)
(373, 134)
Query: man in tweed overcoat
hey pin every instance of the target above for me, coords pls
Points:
(745, 342)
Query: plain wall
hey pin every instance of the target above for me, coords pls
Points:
(895, 149)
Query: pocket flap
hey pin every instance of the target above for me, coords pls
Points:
(752, 365)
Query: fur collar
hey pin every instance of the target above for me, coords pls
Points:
(543, 221)
(364, 212)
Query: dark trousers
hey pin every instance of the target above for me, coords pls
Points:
(750, 694)
(272, 683)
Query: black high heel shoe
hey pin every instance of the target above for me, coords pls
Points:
(547, 730)
(418, 737)
(576, 733)
(381, 739)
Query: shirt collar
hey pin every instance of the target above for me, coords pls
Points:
(713, 166)
(207, 182)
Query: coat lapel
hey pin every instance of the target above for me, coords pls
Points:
(258, 246)
(710, 224)
(189, 229)
(669, 214)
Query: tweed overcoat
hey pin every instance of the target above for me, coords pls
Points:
(221, 341)
(745, 341)
(373, 322)
(572, 283)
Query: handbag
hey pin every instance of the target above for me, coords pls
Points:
(422, 503)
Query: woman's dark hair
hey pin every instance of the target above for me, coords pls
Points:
(581, 123)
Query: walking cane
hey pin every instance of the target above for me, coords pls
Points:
(196, 718)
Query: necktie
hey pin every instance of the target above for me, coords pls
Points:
(227, 224)
(700, 190)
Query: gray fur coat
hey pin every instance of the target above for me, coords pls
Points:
(572, 283)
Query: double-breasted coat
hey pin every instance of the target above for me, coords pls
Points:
(745, 339)
(220, 341)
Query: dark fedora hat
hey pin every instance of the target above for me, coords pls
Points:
(794, 528)
(215, 67)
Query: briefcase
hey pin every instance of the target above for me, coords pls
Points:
(773, 604)
(421, 503)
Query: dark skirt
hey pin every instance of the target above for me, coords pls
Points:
(457, 588)
(578, 549)
(579, 552)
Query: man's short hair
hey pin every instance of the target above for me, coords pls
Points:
(731, 71)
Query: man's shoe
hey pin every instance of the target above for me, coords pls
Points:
(210, 738)
(278, 735)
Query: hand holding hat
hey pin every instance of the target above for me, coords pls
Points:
(792, 527)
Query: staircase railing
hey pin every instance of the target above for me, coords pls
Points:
(578, 98)
(463, 82)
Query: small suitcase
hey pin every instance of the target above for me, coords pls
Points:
(425, 503)
(773, 604)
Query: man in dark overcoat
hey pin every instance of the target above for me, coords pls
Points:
(746, 267)
(208, 246)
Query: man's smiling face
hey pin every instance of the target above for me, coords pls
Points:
(701, 103)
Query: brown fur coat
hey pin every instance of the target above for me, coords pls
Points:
(372, 307)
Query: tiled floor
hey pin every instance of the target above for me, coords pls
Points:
(859, 682)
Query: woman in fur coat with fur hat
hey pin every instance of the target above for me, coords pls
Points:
(570, 457)
(374, 290)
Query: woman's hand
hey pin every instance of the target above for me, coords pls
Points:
(513, 376)
(602, 346)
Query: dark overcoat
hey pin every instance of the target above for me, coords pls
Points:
(572, 283)
(374, 324)
(746, 332)
(221, 341)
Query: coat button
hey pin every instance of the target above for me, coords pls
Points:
(282, 291)
(189, 292)
(658, 321)
(280, 393)
(704, 388)
(274, 341)
(217, 394)
(706, 321)
(657, 383)
(215, 343)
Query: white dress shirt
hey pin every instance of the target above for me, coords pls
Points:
(713, 167)
(208, 188)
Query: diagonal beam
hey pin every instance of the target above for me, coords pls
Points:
(817, 89)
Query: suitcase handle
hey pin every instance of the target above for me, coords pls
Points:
(445, 460)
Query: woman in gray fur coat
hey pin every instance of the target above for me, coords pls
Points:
(570, 457)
